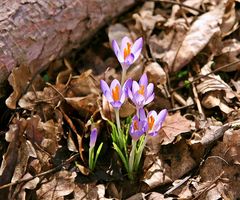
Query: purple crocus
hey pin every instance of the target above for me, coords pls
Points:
(115, 94)
(142, 92)
(155, 121)
(128, 51)
(138, 126)
(93, 138)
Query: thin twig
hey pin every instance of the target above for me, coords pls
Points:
(180, 4)
(197, 101)
(203, 76)
(211, 185)
(181, 182)
(180, 108)
(68, 161)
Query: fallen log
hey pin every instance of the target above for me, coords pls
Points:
(36, 32)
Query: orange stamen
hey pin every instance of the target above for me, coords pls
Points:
(115, 93)
(141, 90)
(151, 121)
(127, 50)
(135, 125)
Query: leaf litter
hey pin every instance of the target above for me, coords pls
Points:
(191, 54)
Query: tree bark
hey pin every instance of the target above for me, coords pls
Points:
(35, 32)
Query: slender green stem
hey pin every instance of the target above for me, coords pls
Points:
(131, 159)
(118, 120)
(91, 159)
(139, 153)
(124, 72)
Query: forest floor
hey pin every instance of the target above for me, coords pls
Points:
(191, 53)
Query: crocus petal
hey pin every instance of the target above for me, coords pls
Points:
(137, 46)
(136, 135)
(127, 85)
(129, 93)
(106, 90)
(153, 133)
(116, 104)
(129, 60)
(122, 97)
(117, 51)
(150, 89)
(125, 40)
(138, 100)
(104, 86)
(136, 55)
(142, 114)
(93, 138)
(113, 84)
(143, 80)
(162, 116)
(115, 47)
(135, 87)
(149, 99)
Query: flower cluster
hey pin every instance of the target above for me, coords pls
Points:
(140, 93)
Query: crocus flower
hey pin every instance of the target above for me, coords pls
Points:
(128, 51)
(93, 138)
(155, 121)
(138, 126)
(115, 94)
(142, 92)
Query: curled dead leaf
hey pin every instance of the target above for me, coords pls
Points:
(61, 184)
(145, 20)
(173, 126)
(155, 73)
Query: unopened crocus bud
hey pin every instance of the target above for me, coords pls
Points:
(93, 138)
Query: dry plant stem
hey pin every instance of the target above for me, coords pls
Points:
(124, 72)
(183, 13)
(203, 76)
(180, 108)
(179, 99)
(199, 106)
(211, 185)
(68, 161)
(180, 4)
(181, 182)
(175, 57)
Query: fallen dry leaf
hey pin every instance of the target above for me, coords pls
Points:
(86, 105)
(155, 73)
(30, 185)
(19, 79)
(198, 36)
(89, 191)
(213, 99)
(228, 54)
(117, 32)
(154, 174)
(58, 186)
(224, 160)
(173, 126)
(230, 20)
(146, 20)
(210, 134)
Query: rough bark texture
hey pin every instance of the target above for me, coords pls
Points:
(35, 32)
